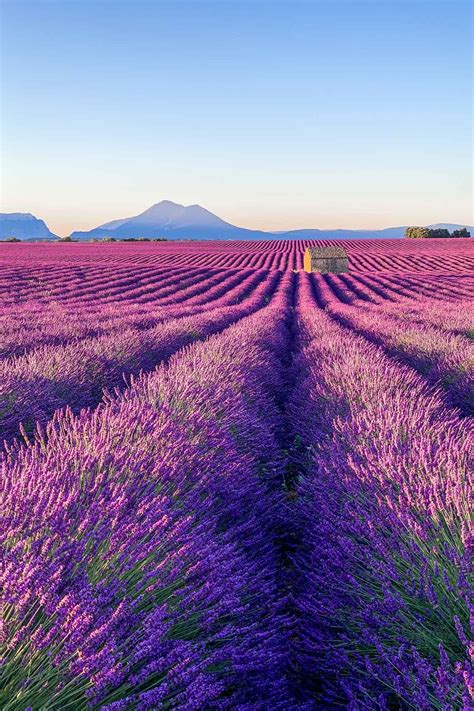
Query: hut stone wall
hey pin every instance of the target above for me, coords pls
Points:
(326, 260)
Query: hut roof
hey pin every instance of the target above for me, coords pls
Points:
(327, 252)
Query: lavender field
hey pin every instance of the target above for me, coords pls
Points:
(230, 484)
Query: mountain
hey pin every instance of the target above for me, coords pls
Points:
(24, 226)
(173, 221)
(168, 219)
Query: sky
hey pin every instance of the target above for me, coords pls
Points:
(273, 114)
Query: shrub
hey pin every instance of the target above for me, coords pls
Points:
(461, 233)
(416, 233)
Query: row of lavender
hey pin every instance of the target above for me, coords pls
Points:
(142, 569)
(140, 301)
(395, 255)
(432, 338)
(382, 587)
(106, 285)
(384, 287)
(25, 327)
(110, 286)
(34, 386)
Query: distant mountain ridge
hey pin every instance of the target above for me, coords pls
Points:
(24, 225)
(174, 221)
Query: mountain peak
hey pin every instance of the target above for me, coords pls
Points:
(168, 215)
(165, 204)
(173, 220)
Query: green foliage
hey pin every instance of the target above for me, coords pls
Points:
(439, 233)
(435, 233)
(462, 233)
(12, 239)
(417, 233)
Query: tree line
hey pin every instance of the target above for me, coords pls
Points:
(429, 233)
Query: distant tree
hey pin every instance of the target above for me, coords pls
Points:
(434, 233)
(462, 233)
(417, 233)
(66, 239)
(109, 239)
(12, 239)
(438, 233)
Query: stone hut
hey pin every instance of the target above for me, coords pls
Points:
(326, 259)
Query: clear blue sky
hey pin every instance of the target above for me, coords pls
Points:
(275, 115)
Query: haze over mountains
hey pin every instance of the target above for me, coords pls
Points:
(173, 221)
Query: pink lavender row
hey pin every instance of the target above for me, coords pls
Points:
(414, 305)
(381, 513)
(178, 290)
(411, 306)
(168, 286)
(365, 255)
(165, 289)
(439, 287)
(141, 564)
(46, 284)
(369, 262)
(34, 386)
(349, 289)
(24, 327)
(112, 289)
(23, 330)
(126, 253)
(444, 359)
(354, 288)
(409, 255)
(456, 317)
(168, 291)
